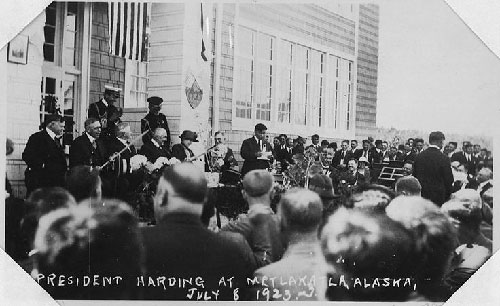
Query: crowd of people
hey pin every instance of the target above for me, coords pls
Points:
(417, 239)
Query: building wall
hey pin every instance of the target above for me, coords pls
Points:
(105, 69)
(305, 21)
(23, 102)
(366, 100)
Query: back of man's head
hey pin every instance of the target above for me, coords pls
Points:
(187, 181)
(436, 137)
(84, 182)
(408, 186)
(257, 183)
(301, 210)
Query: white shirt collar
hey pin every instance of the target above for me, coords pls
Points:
(155, 143)
(434, 146)
(92, 139)
(51, 134)
(105, 102)
(122, 141)
(257, 139)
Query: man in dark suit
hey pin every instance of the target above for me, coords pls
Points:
(44, 155)
(117, 177)
(255, 151)
(355, 152)
(180, 247)
(105, 111)
(409, 155)
(466, 157)
(154, 119)
(284, 152)
(315, 143)
(156, 146)
(181, 151)
(88, 149)
(342, 156)
(432, 168)
(366, 152)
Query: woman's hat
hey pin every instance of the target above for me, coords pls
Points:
(189, 135)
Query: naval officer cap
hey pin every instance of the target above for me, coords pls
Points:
(112, 90)
(155, 100)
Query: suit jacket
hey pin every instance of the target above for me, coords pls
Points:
(338, 157)
(82, 152)
(356, 153)
(409, 157)
(432, 169)
(108, 115)
(370, 156)
(179, 152)
(46, 162)
(180, 246)
(152, 152)
(471, 165)
(151, 122)
(303, 259)
(284, 156)
(248, 151)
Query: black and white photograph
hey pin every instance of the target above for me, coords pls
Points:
(250, 151)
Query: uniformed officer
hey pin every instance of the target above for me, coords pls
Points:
(105, 111)
(154, 119)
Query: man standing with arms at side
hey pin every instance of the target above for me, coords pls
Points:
(154, 119)
(255, 151)
(432, 168)
(87, 149)
(44, 156)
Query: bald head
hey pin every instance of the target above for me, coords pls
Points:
(257, 183)
(301, 210)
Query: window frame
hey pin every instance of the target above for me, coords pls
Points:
(128, 85)
(274, 126)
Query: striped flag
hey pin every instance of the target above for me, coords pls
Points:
(129, 29)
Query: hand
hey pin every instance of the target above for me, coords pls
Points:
(258, 154)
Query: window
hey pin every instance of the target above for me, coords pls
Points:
(62, 60)
(49, 31)
(246, 91)
(136, 83)
(285, 76)
(308, 88)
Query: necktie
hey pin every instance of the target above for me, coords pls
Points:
(94, 144)
(58, 142)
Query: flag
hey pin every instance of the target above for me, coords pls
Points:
(203, 56)
(129, 30)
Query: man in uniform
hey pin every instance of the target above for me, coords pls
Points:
(44, 155)
(154, 119)
(105, 111)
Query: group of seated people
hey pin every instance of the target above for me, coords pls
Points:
(381, 245)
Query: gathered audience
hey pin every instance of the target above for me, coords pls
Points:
(373, 220)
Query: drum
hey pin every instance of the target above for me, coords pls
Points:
(230, 177)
